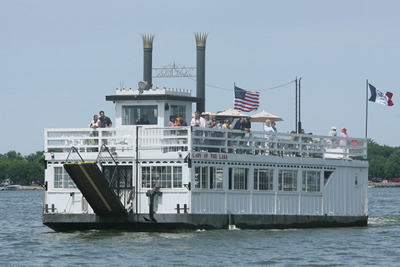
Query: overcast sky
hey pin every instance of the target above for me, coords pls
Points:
(59, 59)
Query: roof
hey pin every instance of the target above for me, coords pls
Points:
(153, 97)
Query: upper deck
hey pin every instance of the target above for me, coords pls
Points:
(169, 142)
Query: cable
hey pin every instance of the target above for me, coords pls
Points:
(209, 85)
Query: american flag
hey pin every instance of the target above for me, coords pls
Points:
(246, 101)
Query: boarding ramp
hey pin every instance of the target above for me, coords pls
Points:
(90, 181)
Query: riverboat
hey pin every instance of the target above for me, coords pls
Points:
(142, 175)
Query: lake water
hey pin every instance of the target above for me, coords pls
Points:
(24, 241)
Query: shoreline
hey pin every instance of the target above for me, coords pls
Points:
(22, 187)
(384, 185)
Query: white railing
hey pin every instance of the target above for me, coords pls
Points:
(278, 144)
(89, 140)
(170, 139)
(167, 139)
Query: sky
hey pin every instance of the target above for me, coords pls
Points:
(59, 59)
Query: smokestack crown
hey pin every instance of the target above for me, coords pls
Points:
(201, 38)
(147, 40)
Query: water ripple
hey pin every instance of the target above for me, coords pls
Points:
(24, 241)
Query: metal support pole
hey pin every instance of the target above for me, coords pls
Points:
(137, 176)
(296, 108)
(299, 123)
(366, 111)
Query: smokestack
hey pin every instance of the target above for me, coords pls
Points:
(147, 58)
(201, 39)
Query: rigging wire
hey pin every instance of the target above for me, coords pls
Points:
(226, 89)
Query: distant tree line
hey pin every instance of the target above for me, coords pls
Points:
(20, 169)
(384, 162)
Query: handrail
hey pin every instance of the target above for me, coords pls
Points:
(175, 139)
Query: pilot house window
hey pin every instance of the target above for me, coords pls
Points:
(178, 110)
(139, 115)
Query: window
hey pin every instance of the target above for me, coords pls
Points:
(121, 179)
(287, 180)
(209, 177)
(62, 179)
(356, 179)
(311, 181)
(139, 115)
(162, 176)
(216, 177)
(238, 178)
(146, 181)
(177, 177)
(263, 179)
(178, 110)
(201, 177)
(327, 175)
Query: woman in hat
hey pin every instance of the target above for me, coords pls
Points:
(343, 134)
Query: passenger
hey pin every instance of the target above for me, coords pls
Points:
(246, 124)
(144, 120)
(198, 121)
(172, 121)
(294, 138)
(152, 118)
(105, 121)
(293, 146)
(177, 122)
(183, 123)
(268, 128)
(279, 145)
(239, 124)
(209, 122)
(273, 124)
(332, 132)
(227, 125)
(221, 124)
(343, 134)
(95, 122)
(305, 139)
(214, 121)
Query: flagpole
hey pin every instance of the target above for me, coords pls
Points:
(234, 87)
(296, 108)
(366, 111)
(299, 122)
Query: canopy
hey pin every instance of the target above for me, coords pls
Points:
(231, 113)
(263, 115)
(208, 112)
